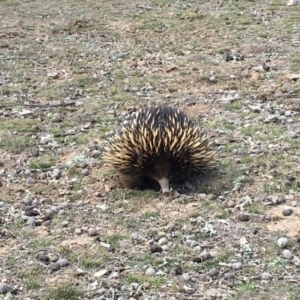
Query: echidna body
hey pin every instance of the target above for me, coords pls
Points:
(159, 143)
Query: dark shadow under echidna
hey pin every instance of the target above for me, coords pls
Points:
(161, 144)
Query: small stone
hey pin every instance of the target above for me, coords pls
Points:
(80, 203)
(294, 203)
(134, 285)
(85, 172)
(266, 276)
(237, 266)
(78, 231)
(287, 211)
(191, 243)
(123, 288)
(65, 223)
(41, 256)
(30, 181)
(56, 173)
(57, 118)
(53, 257)
(292, 2)
(293, 134)
(46, 139)
(63, 262)
(150, 271)
(30, 221)
(93, 232)
(230, 204)
(287, 254)
(54, 267)
(197, 259)
(101, 273)
(244, 217)
(79, 272)
(185, 276)
(205, 255)
(212, 273)
(28, 200)
(96, 153)
(229, 276)
(4, 288)
(155, 248)
(163, 241)
(282, 242)
(64, 205)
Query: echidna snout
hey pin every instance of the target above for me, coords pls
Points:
(158, 144)
(164, 184)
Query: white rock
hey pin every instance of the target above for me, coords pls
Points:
(282, 242)
(150, 271)
(287, 254)
(292, 2)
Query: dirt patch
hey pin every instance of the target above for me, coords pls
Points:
(289, 225)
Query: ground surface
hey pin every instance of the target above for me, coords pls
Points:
(71, 72)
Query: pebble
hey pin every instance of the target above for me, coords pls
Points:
(155, 248)
(185, 276)
(65, 223)
(78, 231)
(80, 203)
(79, 272)
(229, 275)
(30, 221)
(163, 241)
(134, 285)
(42, 256)
(54, 267)
(237, 266)
(52, 257)
(63, 262)
(136, 237)
(85, 172)
(293, 134)
(64, 205)
(244, 217)
(204, 255)
(56, 173)
(294, 203)
(30, 181)
(191, 243)
(266, 276)
(123, 288)
(282, 242)
(96, 153)
(46, 139)
(28, 200)
(287, 254)
(230, 204)
(287, 211)
(212, 273)
(150, 271)
(4, 288)
(93, 232)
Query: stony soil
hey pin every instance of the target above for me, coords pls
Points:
(71, 72)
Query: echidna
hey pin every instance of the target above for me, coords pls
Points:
(159, 143)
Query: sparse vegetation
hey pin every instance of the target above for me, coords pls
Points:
(71, 73)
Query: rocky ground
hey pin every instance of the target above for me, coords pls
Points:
(71, 72)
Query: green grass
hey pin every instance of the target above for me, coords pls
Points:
(16, 144)
(44, 161)
(63, 292)
(150, 281)
(91, 259)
